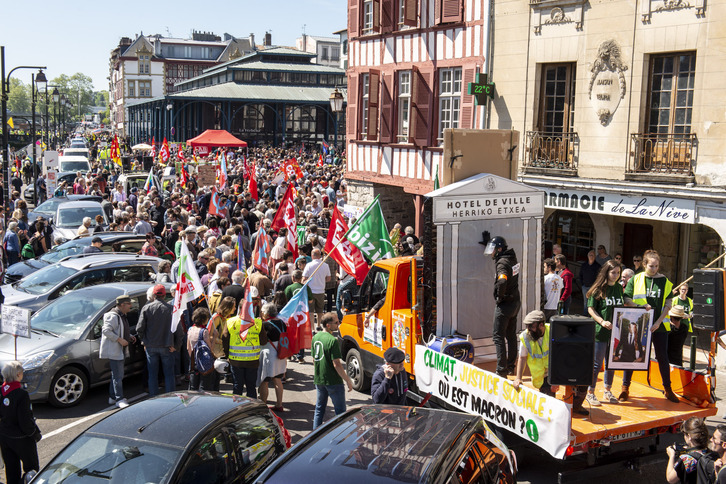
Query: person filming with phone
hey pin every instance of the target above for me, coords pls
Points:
(692, 462)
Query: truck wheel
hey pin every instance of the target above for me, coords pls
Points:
(68, 388)
(354, 368)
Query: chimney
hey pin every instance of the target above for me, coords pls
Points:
(268, 39)
(304, 42)
(252, 40)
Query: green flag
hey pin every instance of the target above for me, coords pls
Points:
(370, 234)
(301, 235)
(436, 178)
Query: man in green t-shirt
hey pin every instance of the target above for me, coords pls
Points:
(329, 372)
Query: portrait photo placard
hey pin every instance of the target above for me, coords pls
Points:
(630, 339)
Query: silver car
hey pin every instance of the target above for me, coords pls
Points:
(61, 357)
(69, 218)
(54, 281)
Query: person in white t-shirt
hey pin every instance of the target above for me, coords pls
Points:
(553, 287)
(316, 283)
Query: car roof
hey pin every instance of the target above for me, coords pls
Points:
(72, 158)
(174, 417)
(374, 444)
(80, 263)
(113, 290)
(79, 204)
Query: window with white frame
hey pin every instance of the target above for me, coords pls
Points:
(144, 63)
(401, 13)
(449, 98)
(132, 88)
(335, 54)
(404, 105)
(367, 17)
(365, 84)
(144, 88)
(324, 53)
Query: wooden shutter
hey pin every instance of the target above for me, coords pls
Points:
(410, 13)
(388, 18)
(374, 77)
(467, 100)
(421, 99)
(351, 117)
(449, 11)
(353, 18)
(387, 113)
(376, 5)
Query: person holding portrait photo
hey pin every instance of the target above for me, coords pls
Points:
(604, 295)
(651, 290)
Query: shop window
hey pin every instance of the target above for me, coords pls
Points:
(703, 247)
(573, 231)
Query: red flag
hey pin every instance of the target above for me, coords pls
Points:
(164, 152)
(292, 168)
(285, 217)
(253, 183)
(261, 252)
(180, 154)
(153, 147)
(184, 177)
(246, 312)
(215, 205)
(346, 254)
(320, 161)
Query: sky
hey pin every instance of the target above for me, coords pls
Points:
(78, 36)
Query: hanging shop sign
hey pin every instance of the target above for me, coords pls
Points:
(652, 208)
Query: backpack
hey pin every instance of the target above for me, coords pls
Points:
(704, 468)
(36, 244)
(27, 252)
(203, 357)
(283, 347)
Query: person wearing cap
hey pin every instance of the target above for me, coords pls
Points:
(134, 198)
(115, 339)
(390, 380)
(190, 233)
(154, 330)
(678, 317)
(95, 246)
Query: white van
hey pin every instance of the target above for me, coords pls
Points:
(74, 163)
(77, 152)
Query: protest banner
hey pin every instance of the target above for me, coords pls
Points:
(527, 413)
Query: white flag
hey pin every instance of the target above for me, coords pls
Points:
(188, 286)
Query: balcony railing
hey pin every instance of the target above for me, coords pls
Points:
(667, 154)
(552, 152)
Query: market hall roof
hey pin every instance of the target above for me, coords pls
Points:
(231, 91)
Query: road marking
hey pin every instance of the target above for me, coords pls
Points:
(89, 417)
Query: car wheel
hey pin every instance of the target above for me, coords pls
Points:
(354, 368)
(68, 388)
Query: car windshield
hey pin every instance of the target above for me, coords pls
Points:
(42, 281)
(49, 206)
(73, 217)
(92, 458)
(70, 315)
(72, 247)
(74, 166)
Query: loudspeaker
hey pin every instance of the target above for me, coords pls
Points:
(708, 299)
(572, 350)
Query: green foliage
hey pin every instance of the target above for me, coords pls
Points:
(78, 88)
(19, 96)
(100, 98)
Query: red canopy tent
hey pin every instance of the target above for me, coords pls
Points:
(213, 138)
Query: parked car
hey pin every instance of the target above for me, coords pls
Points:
(69, 217)
(78, 143)
(386, 444)
(48, 208)
(84, 152)
(137, 180)
(74, 163)
(80, 271)
(60, 358)
(118, 242)
(182, 437)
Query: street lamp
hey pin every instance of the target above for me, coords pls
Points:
(336, 105)
(56, 100)
(47, 116)
(38, 79)
(4, 91)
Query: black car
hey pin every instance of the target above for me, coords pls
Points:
(387, 444)
(180, 438)
(124, 242)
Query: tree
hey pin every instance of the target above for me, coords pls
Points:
(78, 88)
(100, 98)
(19, 97)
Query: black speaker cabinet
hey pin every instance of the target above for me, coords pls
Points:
(572, 350)
(708, 300)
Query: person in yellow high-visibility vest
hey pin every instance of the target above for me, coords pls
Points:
(534, 352)
(651, 290)
(245, 342)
